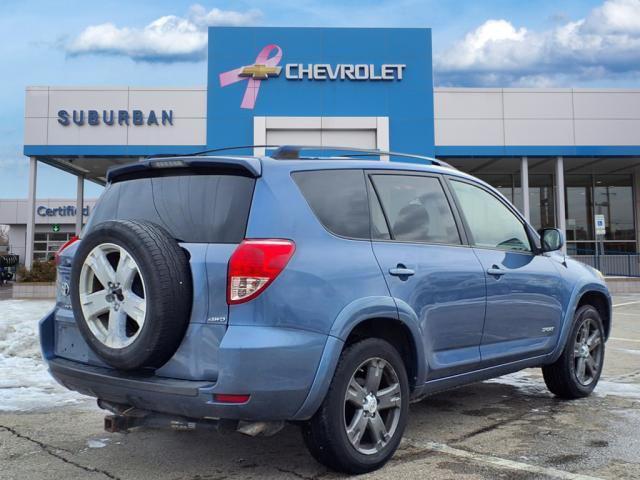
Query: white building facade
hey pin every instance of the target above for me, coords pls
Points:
(55, 223)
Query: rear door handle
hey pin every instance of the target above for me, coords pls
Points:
(401, 271)
(495, 270)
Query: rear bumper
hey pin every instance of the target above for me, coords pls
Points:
(277, 367)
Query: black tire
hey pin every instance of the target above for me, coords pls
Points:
(164, 269)
(562, 377)
(325, 434)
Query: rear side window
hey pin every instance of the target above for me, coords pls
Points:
(416, 209)
(193, 208)
(338, 198)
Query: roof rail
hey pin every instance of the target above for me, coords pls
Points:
(211, 150)
(292, 152)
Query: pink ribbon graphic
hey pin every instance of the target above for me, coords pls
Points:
(253, 85)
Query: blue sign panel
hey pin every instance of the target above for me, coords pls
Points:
(321, 72)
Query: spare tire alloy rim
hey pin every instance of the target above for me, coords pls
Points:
(112, 295)
(587, 352)
(372, 406)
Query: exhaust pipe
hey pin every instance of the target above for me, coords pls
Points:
(265, 429)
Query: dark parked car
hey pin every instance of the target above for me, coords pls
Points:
(8, 267)
(209, 290)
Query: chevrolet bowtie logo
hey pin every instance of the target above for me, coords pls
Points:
(264, 66)
(260, 72)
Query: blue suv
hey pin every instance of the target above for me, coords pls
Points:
(244, 292)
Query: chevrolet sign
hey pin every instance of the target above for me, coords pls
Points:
(267, 64)
(344, 71)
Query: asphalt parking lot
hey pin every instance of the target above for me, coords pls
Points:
(509, 428)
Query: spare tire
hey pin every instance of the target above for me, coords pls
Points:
(131, 293)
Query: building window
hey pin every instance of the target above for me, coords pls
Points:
(586, 195)
(609, 195)
(542, 203)
(579, 205)
(47, 244)
(613, 197)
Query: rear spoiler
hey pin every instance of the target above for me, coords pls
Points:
(180, 165)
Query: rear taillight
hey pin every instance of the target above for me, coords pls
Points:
(64, 245)
(254, 265)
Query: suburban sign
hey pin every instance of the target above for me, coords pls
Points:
(113, 117)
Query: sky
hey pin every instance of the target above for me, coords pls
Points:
(504, 43)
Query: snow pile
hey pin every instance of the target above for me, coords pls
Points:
(25, 383)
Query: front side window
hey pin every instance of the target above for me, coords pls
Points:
(491, 223)
(416, 209)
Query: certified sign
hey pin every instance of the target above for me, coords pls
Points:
(601, 229)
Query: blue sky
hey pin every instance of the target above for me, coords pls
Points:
(162, 43)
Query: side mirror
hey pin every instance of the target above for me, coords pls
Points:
(551, 239)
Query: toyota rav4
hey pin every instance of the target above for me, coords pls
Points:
(246, 292)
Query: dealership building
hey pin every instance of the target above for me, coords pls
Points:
(55, 223)
(562, 156)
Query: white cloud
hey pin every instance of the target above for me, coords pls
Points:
(621, 16)
(604, 44)
(168, 39)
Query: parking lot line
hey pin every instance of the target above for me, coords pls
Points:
(624, 339)
(502, 462)
(626, 303)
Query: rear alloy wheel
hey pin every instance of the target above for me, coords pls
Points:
(372, 406)
(576, 373)
(360, 424)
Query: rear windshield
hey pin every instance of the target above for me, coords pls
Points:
(193, 208)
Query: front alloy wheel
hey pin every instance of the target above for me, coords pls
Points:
(576, 372)
(587, 352)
